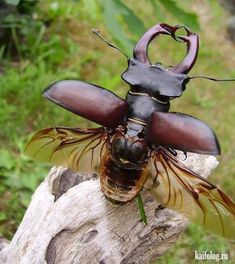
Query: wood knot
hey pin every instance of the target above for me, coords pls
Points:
(88, 237)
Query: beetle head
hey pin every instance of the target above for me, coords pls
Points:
(154, 79)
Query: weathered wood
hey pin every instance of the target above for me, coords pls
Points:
(70, 221)
(3, 242)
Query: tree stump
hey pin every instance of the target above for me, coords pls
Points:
(70, 221)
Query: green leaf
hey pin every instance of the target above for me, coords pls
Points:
(110, 16)
(116, 15)
(6, 160)
(91, 7)
(157, 10)
(189, 19)
(3, 216)
(12, 2)
(134, 24)
(26, 198)
(141, 208)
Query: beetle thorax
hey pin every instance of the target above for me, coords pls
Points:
(141, 106)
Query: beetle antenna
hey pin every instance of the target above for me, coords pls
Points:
(97, 32)
(212, 79)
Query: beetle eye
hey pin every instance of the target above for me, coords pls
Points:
(185, 82)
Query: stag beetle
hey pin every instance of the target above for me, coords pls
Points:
(138, 136)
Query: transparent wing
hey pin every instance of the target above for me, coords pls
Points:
(77, 149)
(180, 189)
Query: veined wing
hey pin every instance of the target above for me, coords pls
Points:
(74, 148)
(180, 189)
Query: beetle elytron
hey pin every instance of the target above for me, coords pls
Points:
(138, 135)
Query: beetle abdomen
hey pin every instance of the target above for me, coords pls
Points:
(119, 183)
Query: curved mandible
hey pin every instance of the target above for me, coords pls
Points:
(140, 51)
(187, 63)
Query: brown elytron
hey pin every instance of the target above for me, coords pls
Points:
(138, 136)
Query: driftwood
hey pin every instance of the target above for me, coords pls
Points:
(70, 221)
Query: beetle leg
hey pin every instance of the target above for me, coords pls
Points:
(185, 155)
(172, 151)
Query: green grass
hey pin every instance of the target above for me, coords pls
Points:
(196, 239)
(66, 50)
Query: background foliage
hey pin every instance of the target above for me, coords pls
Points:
(44, 41)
